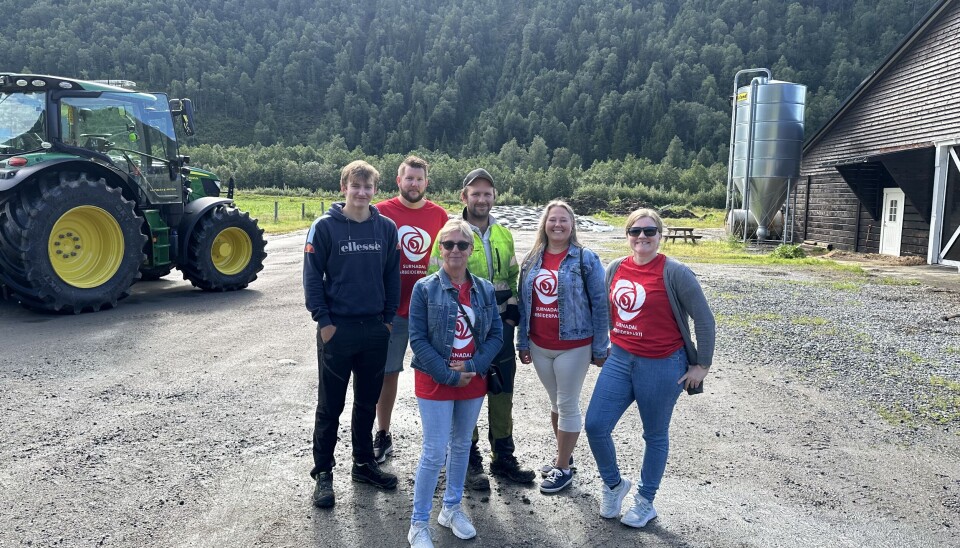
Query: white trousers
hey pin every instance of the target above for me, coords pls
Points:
(562, 373)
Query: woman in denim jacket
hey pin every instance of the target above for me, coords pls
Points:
(564, 317)
(455, 333)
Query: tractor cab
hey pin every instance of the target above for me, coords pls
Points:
(130, 132)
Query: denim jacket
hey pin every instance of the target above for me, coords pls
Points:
(433, 324)
(580, 316)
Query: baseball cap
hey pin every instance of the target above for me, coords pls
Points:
(477, 174)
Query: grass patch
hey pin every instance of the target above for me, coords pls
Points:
(941, 404)
(706, 218)
(887, 280)
(912, 356)
(809, 320)
(896, 415)
(845, 286)
(746, 320)
(292, 212)
(729, 252)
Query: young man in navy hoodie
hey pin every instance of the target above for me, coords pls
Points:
(351, 279)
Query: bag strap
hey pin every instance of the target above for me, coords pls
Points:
(469, 323)
(583, 278)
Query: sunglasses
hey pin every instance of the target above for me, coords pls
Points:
(449, 245)
(648, 231)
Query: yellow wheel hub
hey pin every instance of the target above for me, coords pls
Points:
(231, 251)
(86, 247)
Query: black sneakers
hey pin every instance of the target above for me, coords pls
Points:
(323, 493)
(507, 467)
(382, 446)
(477, 479)
(370, 473)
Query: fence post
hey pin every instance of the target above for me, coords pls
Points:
(276, 212)
(303, 210)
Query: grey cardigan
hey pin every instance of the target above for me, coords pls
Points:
(686, 301)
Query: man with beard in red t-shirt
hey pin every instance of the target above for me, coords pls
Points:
(418, 222)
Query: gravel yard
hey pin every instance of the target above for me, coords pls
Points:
(830, 418)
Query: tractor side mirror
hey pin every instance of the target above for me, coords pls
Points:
(183, 109)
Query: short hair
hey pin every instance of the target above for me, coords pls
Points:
(456, 225)
(414, 162)
(360, 170)
(645, 212)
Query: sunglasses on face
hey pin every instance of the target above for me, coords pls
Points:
(648, 231)
(450, 244)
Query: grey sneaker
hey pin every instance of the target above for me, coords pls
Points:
(612, 499)
(640, 513)
(420, 535)
(458, 522)
(382, 446)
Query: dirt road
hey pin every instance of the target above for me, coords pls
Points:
(184, 419)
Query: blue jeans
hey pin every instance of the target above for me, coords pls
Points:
(445, 423)
(652, 383)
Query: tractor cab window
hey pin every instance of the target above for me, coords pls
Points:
(22, 123)
(134, 130)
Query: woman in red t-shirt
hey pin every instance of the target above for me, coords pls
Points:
(652, 359)
(455, 333)
(563, 327)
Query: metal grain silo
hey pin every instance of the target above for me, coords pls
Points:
(766, 140)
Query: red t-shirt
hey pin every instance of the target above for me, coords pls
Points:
(416, 229)
(643, 322)
(463, 348)
(545, 308)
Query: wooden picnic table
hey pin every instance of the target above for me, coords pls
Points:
(684, 233)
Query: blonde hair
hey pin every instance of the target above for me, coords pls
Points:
(359, 170)
(644, 212)
(541, 242)
(456, 225)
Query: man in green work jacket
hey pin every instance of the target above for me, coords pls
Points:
(493, 258)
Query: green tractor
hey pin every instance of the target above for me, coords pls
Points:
(94, 195)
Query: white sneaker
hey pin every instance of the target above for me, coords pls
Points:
(420, 535)
(458, 522)
(612, 499)
(640, 513)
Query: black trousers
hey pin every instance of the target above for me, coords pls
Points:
(358, 347)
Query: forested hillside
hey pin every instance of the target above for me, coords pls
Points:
(591, 79)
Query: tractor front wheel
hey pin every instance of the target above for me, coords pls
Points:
(70, 243)
(225, 251)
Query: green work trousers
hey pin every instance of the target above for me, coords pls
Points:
(500, 406)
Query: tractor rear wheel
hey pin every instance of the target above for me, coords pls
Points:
(70, 243)
(225, 251)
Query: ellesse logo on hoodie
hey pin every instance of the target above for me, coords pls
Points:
(363, 245)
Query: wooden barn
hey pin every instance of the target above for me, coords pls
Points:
(883, 174)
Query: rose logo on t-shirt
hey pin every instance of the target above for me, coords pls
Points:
(545, 284)
(628, 297)
(463, 336)
(414, 242)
